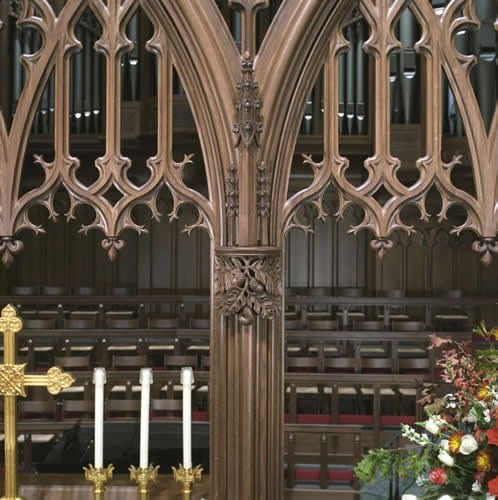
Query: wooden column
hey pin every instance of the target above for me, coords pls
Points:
(246, 399)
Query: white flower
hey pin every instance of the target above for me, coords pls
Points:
(421, 480)
(408, 496)
(471, 417)
(468, 445)
(445, 444)
(413, 435)
(487, 415)
(445, 497)
(446, 458)
(490, 497)
(431, 426)
(476, 487)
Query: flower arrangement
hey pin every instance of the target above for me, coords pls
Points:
(455, 451)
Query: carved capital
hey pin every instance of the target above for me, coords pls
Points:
(248, 282)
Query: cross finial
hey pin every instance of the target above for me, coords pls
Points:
(9, 322)
(248, 10)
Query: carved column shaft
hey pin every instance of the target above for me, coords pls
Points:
(247, 409)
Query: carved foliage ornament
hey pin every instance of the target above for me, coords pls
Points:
(248, 127)
(248, 286)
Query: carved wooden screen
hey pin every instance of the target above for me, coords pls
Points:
(247, 104)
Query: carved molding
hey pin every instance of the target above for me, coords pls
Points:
(232, 192)
(248, 284)
(263, 191)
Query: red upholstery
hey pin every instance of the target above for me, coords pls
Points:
(313, 418)
(353, 419)
(398, 419)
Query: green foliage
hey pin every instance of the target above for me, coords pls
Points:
(387, 462)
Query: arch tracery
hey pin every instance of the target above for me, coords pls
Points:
(246, 210)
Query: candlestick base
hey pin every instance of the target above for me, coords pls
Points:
(187, 476)
(98, 477)
(143, 477)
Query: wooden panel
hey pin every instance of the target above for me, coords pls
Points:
(441, 260)
(416, 264)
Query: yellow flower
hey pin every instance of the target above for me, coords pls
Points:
(454, 442)
(483, 392)
(483, 460)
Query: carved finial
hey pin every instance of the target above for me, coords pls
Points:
(486, 247)
(9, 247)
(248, 127)
(248, 9)
(381, 246)
(112, 245)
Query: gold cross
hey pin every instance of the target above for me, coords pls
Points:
(13, 381)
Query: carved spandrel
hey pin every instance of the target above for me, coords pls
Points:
(248, 286)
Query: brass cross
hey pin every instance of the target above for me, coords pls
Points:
(13, 381)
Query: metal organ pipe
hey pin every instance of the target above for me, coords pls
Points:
(360, 70)
(408, 64)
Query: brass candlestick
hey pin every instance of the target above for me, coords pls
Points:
(187, 477)
(99, 478)
(143, 477)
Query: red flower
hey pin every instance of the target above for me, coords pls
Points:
(493, 486)
(438, 476)
(492, 435)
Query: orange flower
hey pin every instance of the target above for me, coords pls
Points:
(483, 392)
(483, 461)
(492, 435)
(454, 442)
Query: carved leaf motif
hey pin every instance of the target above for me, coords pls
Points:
(247, 286)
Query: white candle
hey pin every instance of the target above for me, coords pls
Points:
(187, 380)
(99, 381)
(145, 382)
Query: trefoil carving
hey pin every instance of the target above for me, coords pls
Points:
(248, 285)
(486, 247)
(9, 247)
